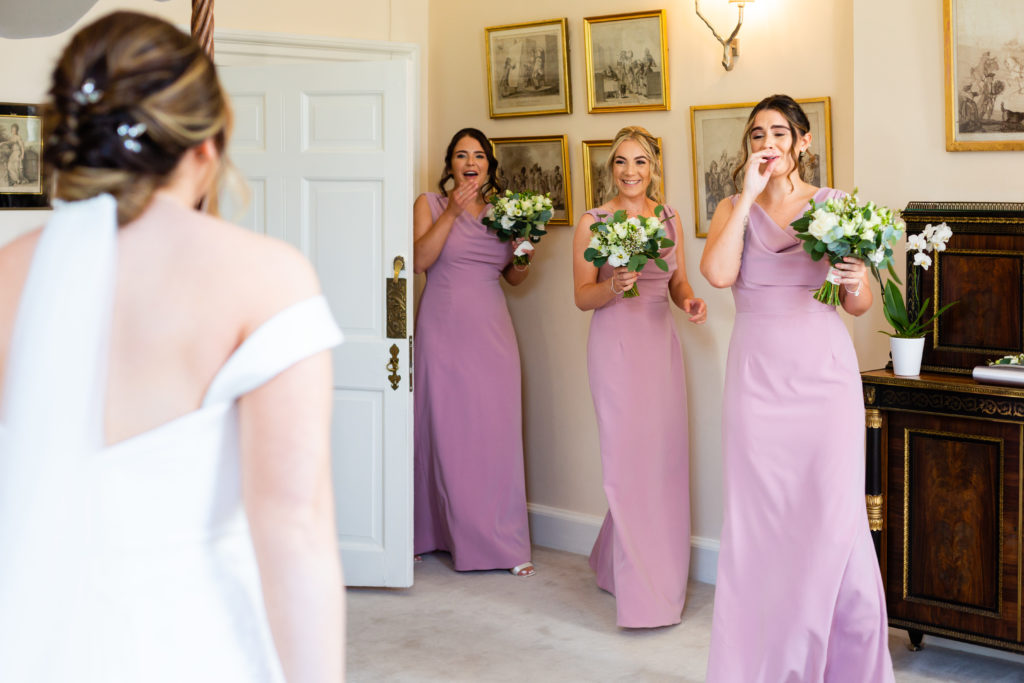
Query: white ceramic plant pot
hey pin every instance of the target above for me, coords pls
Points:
(906, 355)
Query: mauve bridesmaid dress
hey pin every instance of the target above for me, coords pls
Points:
(470, 488)
(799, 595)
(642, 553)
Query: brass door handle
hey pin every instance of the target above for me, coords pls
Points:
(395, 293)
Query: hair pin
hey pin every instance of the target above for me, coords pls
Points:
(88, 93)
(128, 135)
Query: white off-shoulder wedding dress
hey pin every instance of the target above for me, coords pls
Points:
(133, 561)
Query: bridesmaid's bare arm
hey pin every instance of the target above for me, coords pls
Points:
(429, 236)
(720, 262)
(514, 275)
(589, 292)
(679, 287)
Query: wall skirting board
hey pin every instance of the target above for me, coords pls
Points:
(576, 532)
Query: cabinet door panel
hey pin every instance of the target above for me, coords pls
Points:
(953, 520)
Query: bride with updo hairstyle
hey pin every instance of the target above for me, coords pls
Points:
(166, 510)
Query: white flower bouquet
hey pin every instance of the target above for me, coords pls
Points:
(519, 215)
(842, 227)
(631, 242)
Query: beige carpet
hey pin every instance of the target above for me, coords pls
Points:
(558, 626)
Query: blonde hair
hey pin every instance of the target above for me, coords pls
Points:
(651, 148)
(123, 70)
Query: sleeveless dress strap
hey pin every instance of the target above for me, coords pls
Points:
(52, 416)
(294, 334)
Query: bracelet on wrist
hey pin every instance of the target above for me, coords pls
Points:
(611, 285)
(854, 292)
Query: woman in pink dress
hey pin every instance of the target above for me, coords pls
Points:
(799, 595)
(642, 553)
(470, 487)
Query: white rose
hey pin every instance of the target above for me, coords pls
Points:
(868, 235)
(822, 223)
(618, 257)
(922, 259)
(595, 243)
(877, 256)
(507, 222)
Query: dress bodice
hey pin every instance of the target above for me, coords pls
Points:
(126, 540)
(471, 253)
(776, 274)
(653, 281)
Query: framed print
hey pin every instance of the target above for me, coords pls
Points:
(527, 69)
(984, 74)
(22, 182)
(716, 135)
(540, 164)
(627, 62)
(596, 181)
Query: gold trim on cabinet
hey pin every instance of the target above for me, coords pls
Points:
(873, 418)
(869, 394)
(393, 366)
(953, 633)
(961, 388)
(874, 504)
(998, 612)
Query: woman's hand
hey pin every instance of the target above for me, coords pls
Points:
(696, 309)
(623, 279)
(463, 198)
(755, 180)
(852, 275)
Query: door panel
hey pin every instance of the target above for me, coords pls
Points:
(327, 149)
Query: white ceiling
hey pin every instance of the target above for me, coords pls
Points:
(35, 18)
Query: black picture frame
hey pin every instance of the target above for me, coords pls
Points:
(23, 181)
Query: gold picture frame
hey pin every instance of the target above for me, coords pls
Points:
(528, 69)
(619, 77)
(984, 75)
(715, 134)
(595, 184)
(23, 180)
(541, 164)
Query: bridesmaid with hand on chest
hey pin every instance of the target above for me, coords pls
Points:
(470, 488)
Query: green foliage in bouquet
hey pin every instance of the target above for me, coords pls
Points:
(630, 242)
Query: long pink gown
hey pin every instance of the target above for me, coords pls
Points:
(799, 595)
(470, 486)
(642, 553)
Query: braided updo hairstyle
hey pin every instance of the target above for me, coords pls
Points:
(123, 70)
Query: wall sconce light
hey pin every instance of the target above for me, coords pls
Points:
(730, 45)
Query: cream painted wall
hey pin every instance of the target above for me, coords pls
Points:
(394, 20)
(800, 47)
(899, 124)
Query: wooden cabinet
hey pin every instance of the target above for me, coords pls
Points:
(946, 504)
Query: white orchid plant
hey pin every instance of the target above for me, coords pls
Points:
(519, 215)
(932, 239)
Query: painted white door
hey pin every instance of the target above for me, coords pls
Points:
(327, 152)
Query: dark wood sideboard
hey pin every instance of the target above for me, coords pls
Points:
(945, 454)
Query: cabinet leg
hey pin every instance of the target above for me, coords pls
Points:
(915, 639)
